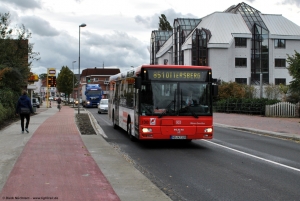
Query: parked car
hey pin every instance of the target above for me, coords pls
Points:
(76, 102)
(51, 98)
(103, 106)
(35, 102)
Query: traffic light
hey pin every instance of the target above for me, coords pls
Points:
(54, 81)
(50, 81)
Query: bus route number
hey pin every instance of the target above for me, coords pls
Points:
(176, 75)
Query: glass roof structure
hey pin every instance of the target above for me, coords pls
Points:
(185, 24)
(158, 38)
(182, 28)
(250, 15)
(259, 41)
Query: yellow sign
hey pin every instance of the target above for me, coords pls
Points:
(51, 71)
(33, 77)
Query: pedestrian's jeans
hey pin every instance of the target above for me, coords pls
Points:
(22, 116)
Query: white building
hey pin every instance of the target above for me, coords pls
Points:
(240, 44)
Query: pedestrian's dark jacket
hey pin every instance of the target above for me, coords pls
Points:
(58, 100)
(23, 101)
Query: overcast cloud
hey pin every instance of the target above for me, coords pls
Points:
(24, 4)
(117, 32)
(296, 2)
(39, 26)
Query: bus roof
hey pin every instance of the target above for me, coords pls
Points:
(137, 70)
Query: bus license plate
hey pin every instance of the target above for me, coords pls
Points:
(174, 137)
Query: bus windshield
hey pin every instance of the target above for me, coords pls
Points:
(176, 99)
(93, 93)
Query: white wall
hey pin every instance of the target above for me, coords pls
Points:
(281, 53)
(187, 57)
(163, 57)
(219, 61)
(242, 52)
(222, 61)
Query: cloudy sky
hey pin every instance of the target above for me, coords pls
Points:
(117, 32)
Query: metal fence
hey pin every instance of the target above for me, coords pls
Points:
(282, 109)
(245, 108)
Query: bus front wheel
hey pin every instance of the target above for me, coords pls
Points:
(113, 120)
(131, 137)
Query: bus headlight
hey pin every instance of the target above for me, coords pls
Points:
(147, 130)
(208, 130)
(88, 102)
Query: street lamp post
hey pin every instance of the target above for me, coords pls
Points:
(82, 25)
(73, 82)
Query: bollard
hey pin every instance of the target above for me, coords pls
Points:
(50, 104)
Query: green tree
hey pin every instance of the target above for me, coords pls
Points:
(284, 89)
(272, 91)
(43, 76)
(64, 81)
(294, 70)
(164, 24)
(231, 90)
(16, 56)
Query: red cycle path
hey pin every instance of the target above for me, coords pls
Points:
(56, 164)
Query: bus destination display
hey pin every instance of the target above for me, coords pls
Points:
(177, 75)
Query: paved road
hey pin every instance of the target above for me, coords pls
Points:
(234, 165)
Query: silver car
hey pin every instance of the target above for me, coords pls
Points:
(35, 102)
(103, 106)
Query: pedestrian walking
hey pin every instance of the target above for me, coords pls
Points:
(24, 108)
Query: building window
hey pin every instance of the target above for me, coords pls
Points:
(280, 81)
(241, 80)
(279, 43)
(240, 42)
(280, 63)
(240, 62)
(200, 39)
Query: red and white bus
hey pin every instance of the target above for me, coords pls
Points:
(155, 102)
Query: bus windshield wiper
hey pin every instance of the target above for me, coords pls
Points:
(191, 111)
(164, 112)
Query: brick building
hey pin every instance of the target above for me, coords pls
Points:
(97, 76)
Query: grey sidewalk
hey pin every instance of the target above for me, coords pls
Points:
(283, 127)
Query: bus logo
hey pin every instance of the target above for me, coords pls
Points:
(178, 121)
(152, 121)
(178, 130)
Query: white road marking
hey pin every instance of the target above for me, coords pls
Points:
(108, 123)
(96, 126)
(253, 156)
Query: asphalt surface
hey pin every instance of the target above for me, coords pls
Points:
(54, 161)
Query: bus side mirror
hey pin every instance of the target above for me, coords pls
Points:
(215, 90)
(137, 82)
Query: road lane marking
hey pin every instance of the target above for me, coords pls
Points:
(253, 156)
(107, 122)
(96, 126)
